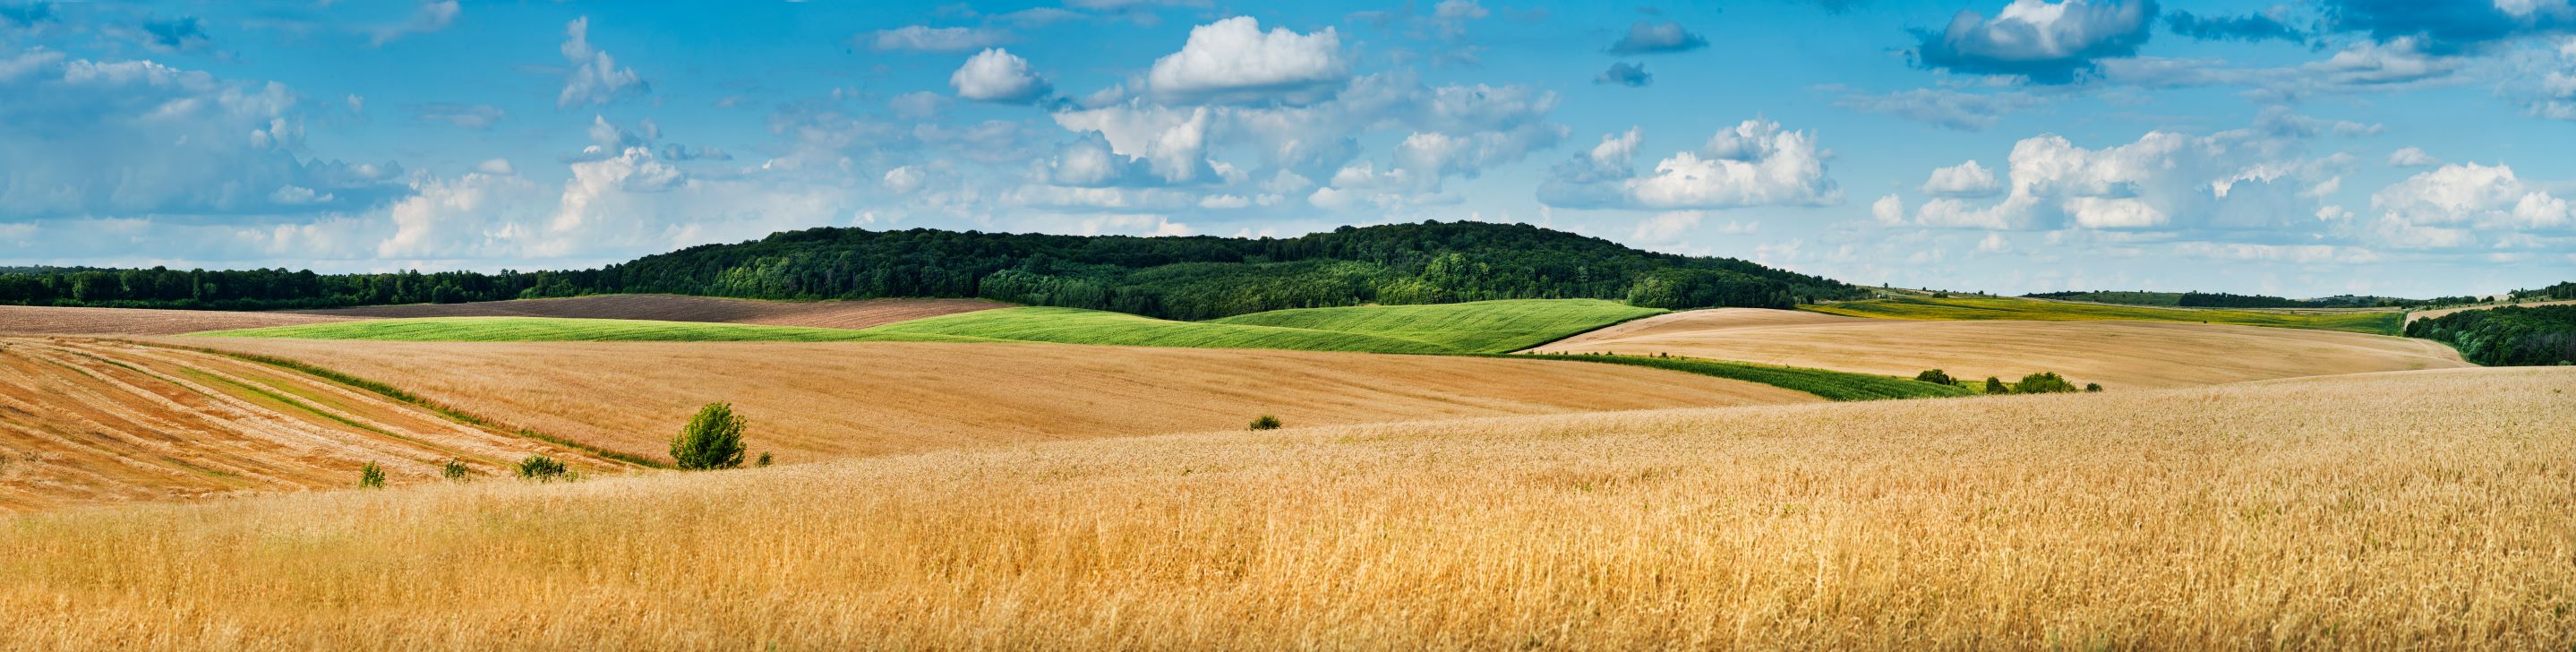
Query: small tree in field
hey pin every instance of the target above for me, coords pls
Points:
(1936, 377)
(455, 471)
(2092, 387)
(2043, 383)
(712, 440)
(1996, 386)
(541, 468)
(1266, 422)
(371, 476)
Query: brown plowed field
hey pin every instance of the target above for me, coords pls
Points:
(2118, 354)
(88, 421)
(669, 307)
(37, 320)
(823, 400)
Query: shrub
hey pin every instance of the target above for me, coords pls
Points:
(1996, 386)
(455, 471)
(2047, 382)
(1936, 377)
(764, 459)
(2092, 387)
(712, 440)
(371, 476)
(1266, 422)
(541, 468)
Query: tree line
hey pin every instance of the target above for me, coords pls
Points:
(2506, 336)
(1196, 277)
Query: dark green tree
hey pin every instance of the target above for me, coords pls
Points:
(1996, 386)
(1266, 422)
(712, 440)
(371, 476)
(540, 468)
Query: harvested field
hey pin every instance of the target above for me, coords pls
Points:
(2354, 320)
(2117, 354)
(2427, 510)
(671, 307)
(40, 320)
(825, 400)
(88, 421)
(2429, 314)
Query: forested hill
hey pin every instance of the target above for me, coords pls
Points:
(1198, 277)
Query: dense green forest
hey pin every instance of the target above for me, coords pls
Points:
(1198, 277)
(2506, 336)
(2225, 300)
(2559, 292)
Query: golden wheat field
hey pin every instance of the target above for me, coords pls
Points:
(668, 307)
(2119, 354)
(812, 401)
(2425, 510)
(89, 421)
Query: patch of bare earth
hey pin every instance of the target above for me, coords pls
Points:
(45, 320)
(669, 307)
(2119, 354)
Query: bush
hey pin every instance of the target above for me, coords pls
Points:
(455, 471)
(1936, 377)
(764, 459)
(2043, 383)
(541, 468)
(1266, 422)
(2092, 387)
(712, 440)
(371, 476)
(1996, 386)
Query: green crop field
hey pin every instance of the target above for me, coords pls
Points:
(1482, 326)
(556, 329)
(1832, 385)
(1478, 327)
(1981, 308)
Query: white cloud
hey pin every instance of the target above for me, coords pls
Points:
(1756, 163)
(427, 16)
(1647, 37)
(1888, 210)
(902, 179)
(2048, 42)
(595, 78)
(923, 38)
(996, 75)
(1233, 61)
(1969, 179)
(1994, 244)
(2241, 179)
(2454, 205)
(2412, 157)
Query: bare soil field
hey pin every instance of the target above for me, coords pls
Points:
(2429, 314)
(2117, 354)
(40, 320)
(2421, 510)
(810, 401)
(88, 421)
(669, 307)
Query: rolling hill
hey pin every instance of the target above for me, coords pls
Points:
(816, 401)
(2376, 322)
(2316, 512)
(1478, 327)
(669, 307)
(2117, 354)
(557, 329)
(84, 421)
(55, 320)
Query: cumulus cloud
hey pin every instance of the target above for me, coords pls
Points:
(2046, 42)
(1089, 162)
(924, 38)
(2546, 81)
(1648, 37)
(2246, 179)
(1968, 179)
(154, 139)
(1625, 74)
(1232, 61)
(996, 75)
(2455, 205)
(1756, 163)
(1960, 110)
(595, 78)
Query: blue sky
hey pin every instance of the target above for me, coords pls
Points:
(2302, 148)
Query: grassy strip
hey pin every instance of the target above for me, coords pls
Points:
(1832, 385)
(1989, 308)
(460, 416)
(1475, 327)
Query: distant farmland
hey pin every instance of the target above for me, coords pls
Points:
(555, 329)
(669, 307)
(2375, 322)
(46, 320)
(1476, 327)
(2119, 354)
